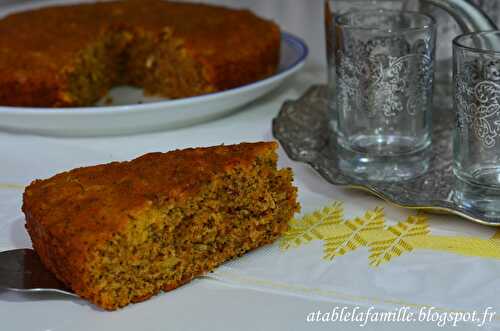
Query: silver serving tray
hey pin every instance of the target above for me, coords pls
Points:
(302, 127)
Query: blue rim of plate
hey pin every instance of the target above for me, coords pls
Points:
(299, 45)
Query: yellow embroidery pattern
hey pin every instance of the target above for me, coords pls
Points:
(399, 242)
(353, 234)
(384, 242)
(313, 226)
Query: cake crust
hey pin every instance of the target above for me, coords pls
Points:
(73, 215)
(41, 50)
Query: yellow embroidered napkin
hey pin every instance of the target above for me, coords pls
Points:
(371, 257)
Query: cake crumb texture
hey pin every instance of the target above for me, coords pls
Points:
(120, 232)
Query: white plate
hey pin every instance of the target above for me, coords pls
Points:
(132, 112)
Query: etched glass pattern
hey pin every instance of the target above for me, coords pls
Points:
(477, 96)
(384, 75)
(476, 146)
(334, 8)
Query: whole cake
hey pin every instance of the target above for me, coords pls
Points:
(71, 55)
(120, 232)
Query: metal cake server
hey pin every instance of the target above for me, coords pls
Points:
(21, 270)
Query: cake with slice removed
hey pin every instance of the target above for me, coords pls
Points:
(121, 232)
(71, 55)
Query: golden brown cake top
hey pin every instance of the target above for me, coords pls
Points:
(98, 200)
(46, 39)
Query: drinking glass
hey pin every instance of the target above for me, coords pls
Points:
(384, 76)
(447, 30)
(476, 146)
(334, 8)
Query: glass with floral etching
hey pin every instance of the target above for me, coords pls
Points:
(334, 8)
(476, 147)
(384, 84)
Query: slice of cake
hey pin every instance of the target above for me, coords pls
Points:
(121, 232)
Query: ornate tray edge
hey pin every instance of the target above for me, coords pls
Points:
(367, 188)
